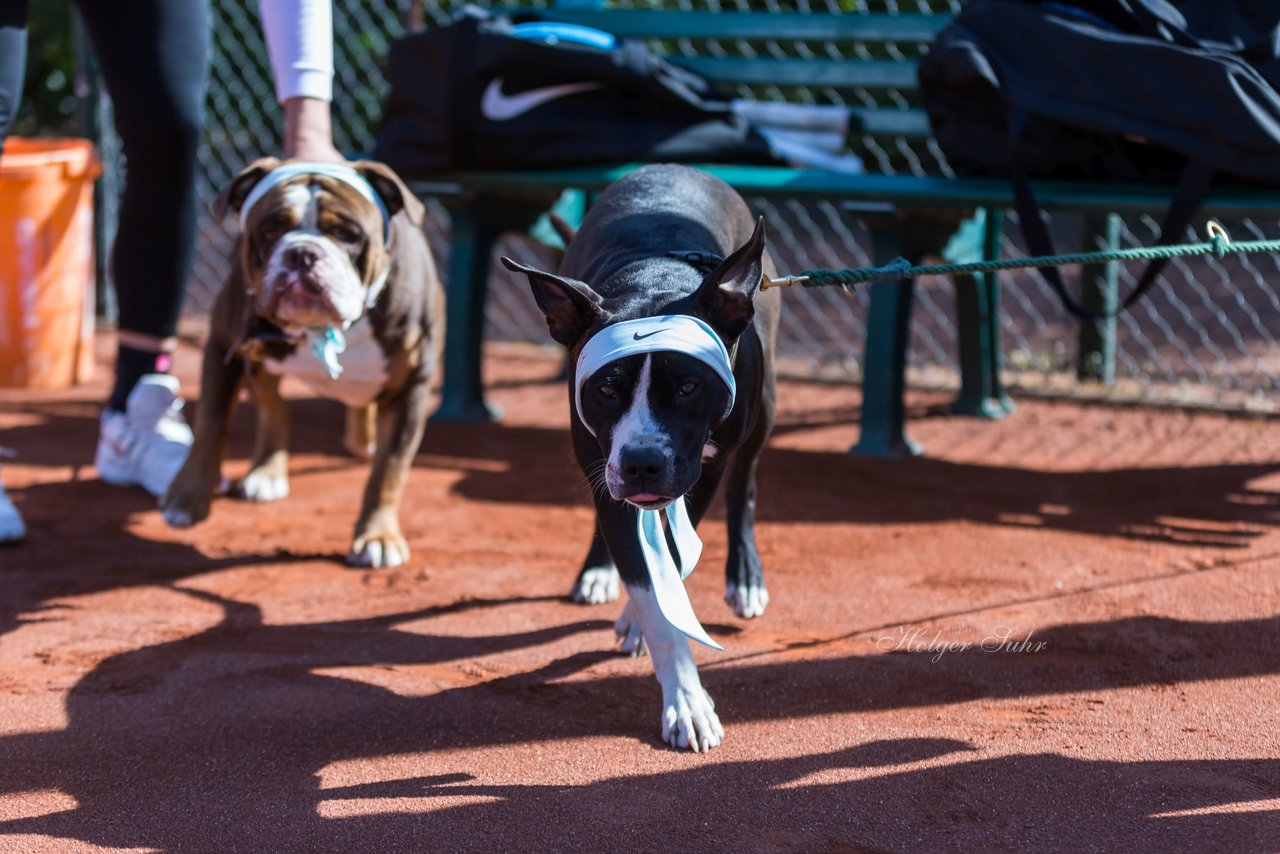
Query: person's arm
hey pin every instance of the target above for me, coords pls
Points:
(300, 40)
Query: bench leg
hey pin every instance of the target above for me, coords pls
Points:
(474, 232)
(477, 225)
(883, 432)
(978, 323)
(1096, 355)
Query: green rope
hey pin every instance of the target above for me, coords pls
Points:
(1219, 245)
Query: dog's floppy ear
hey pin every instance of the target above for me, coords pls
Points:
(570, 306)
(233, 196)
(395, 195)
(726, 293)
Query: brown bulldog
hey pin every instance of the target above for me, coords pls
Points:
(333, 283)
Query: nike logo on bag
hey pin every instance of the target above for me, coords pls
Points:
(498, 107)
(637, 336)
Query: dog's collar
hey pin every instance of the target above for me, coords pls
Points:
(677, 333)
(337, 171)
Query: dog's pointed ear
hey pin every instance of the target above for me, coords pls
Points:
(395, 195)
(571, 306)
(234, 194)
(726, 293)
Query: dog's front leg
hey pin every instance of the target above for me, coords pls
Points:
(361, 430)
(598, 581)
(745, 590)
(268, 477)
(189, 496)
(401, 421)
(688, 714)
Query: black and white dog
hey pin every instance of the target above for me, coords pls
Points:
(658, 301)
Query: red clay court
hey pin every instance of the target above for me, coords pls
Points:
(235, 687)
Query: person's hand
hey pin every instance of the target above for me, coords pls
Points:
(308, 131)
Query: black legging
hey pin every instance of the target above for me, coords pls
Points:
(154, 56)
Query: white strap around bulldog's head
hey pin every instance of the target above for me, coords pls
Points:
(676, 333)
(327, 343)
(337, 171)
(671, 333)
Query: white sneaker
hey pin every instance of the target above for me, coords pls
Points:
(147, 443)
(11, 527)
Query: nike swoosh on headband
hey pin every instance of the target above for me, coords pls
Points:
(496, 106)
(680, 333)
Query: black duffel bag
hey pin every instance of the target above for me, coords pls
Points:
(487, 92)
(1116, 90)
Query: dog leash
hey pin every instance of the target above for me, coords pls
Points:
(1218, 243)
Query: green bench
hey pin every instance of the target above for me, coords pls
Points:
(907, 215)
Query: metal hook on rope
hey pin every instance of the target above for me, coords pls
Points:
(1218, 238)
(781, 282)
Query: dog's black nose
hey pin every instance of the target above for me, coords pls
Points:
(301, 257)
(643, 463)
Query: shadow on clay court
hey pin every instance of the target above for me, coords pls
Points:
(1192, 505)
(65, 515)
(225, 737)
(49, 565)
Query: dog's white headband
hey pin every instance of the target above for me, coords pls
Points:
(677, 333)
(336, 171)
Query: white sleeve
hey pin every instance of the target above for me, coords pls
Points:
(300, 40)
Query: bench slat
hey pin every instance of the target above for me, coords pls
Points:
(784, 26)
(907, 191)
(913, 124)
(871, 74)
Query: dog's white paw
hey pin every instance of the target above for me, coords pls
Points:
(596, 586)
(689, 721)
(262, 486)
(378, 553)
(378, 542)
(630, 638)
(747, 602)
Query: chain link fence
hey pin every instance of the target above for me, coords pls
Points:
(1205, 336)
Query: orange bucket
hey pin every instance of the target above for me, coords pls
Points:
(46, 262)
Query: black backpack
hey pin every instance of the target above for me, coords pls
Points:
(491, 92)
(1164, 91)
